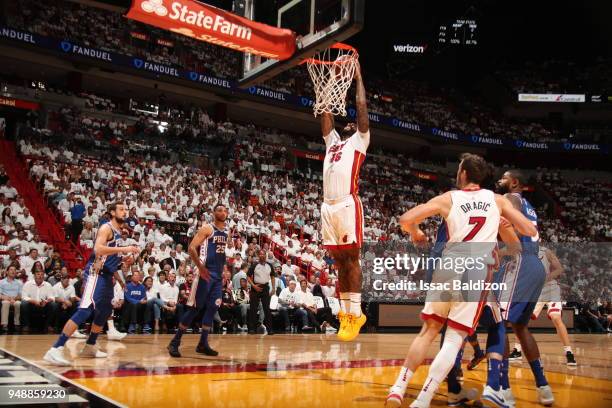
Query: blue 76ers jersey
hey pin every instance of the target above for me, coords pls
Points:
(530, 244)
(109, 263)
(212, 252)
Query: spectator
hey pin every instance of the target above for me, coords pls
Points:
(169, 293)
(154, 306)
(10, 294)
(289, 307)
(135, 304)
(259, 278)
(77, 213)
(229, 310)
(36, 306)
(307, 303)
(242, 297)
(65, 301)
(184, 294)
(117, 303)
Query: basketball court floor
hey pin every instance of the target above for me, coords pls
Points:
(298, 371)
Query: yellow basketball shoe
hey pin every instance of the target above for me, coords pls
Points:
(350, 325)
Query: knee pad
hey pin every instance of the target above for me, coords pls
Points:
(454, 337)
(81, 315)
(496, 339)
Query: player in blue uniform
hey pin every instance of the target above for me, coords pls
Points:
(525, 276)
(103, 264)
(207, 251)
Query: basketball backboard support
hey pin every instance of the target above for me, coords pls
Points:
(317, 23)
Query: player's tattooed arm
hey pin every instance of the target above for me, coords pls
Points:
(194, 245)
(363, 120)
(514, 200)
(512, 214)
(327, 123)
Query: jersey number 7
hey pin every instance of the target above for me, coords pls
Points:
(478, 223)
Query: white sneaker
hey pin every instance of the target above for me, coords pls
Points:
(92, 351)
(465, 395)
(509, 397)
(493, 398)
(418, 404)
(55, 356)
(115, 335)
(78, 335)
(395, 397)
(545, 395)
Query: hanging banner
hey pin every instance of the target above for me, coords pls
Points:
(308, 155)
(207, 23)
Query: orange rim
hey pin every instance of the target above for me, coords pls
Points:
(338, 46)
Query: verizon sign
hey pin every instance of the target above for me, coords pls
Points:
(409, 49)
(567, 98)
(207, 23)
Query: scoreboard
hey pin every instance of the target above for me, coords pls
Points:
(458, 32)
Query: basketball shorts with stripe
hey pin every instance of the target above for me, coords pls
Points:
(458, 308)
(342, 223)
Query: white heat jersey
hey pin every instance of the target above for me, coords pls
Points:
(473, 217)
(343, 161)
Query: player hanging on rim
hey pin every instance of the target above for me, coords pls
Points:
(102, 265)
(472, 216)
(341, 211)
(207, 251)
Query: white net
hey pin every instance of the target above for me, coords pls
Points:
(332, 73)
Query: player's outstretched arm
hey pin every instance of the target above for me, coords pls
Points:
(105, 234)
(520, 222)
(363, 120)
(327, 124)
(195, 243)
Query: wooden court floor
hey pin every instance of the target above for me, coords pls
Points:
(303, 370)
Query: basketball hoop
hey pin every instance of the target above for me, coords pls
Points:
(332, 73)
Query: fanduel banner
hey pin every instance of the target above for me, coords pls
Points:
(207, 23)
(571, 98)
(68, 49)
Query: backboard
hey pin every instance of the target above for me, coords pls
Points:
(317, 23)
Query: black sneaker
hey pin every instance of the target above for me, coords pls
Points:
(475, 361)
(515, 355)
(571, 361)
(173, 350)
(205, 349)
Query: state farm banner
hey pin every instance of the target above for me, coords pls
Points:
(207, 23)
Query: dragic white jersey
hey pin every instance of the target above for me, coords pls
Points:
(343, 161)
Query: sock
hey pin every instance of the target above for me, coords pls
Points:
(92, 338)
(355, 305)
(504, 380)
(452, 378)
(567, 348)
(345, 302)
(493, 375)
(62, 339)
(518, 348)
(538, 372)
(403, 379)
(111, 325)
(442, 364)
(427, 393)
(204, 337)
(178, 335)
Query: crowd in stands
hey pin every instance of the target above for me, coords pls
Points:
(408, 100)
